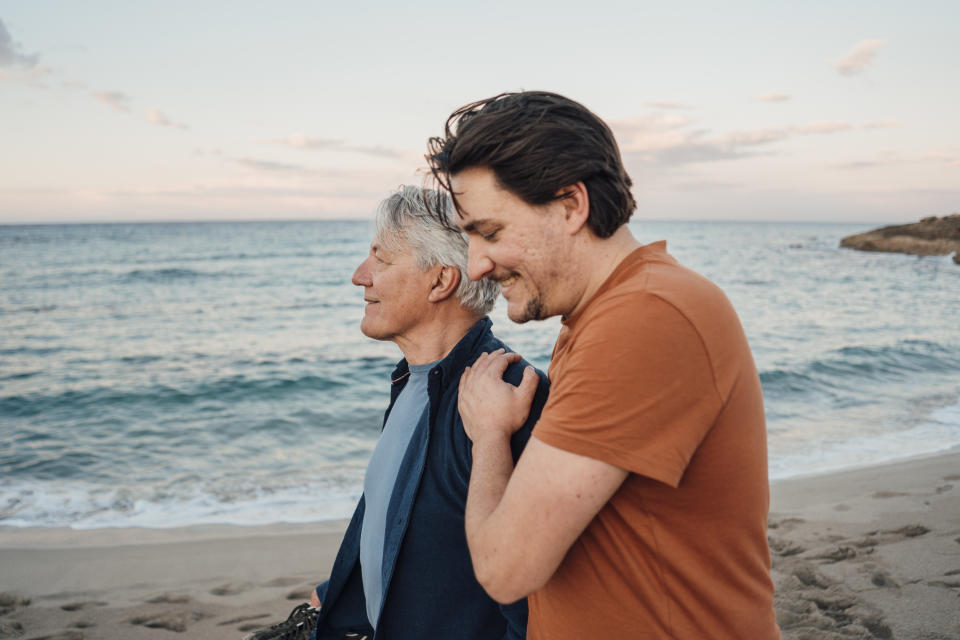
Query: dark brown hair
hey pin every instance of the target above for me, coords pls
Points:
(536, 143)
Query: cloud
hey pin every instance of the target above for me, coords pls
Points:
(890, 157)
(754, 138)
(862, 164)
(774, 97)
(858, 58)
(221, 191)
(10, 53)
(651, 131)
(883, 124)
(670, 140)
(946, 159)
(157, 118)
(34, 76)
(822, 127)
(307, 143)
(115, 99)
(269, 165)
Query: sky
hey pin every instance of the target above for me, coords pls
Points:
(146, 111)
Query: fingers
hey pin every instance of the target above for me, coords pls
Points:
(463, 381)
(497, 360)
(528, 384)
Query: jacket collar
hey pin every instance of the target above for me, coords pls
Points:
(455, 361)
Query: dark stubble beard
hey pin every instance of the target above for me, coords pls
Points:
(532, 311)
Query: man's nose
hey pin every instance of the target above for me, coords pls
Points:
(361, 277)
(479, 264)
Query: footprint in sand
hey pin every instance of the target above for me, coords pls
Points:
(785, 548)
(836, 555)
(77, 606)
(171, 620)
(170, 598)
(811, 606)
(889, 494)
(10, 629)
(883, 579)
(10, 602)
(786, 522)
(944, 488)
(888, 536)
(283, 582)
(300, 594)
(909, 531)
(231, 588)
(810, 577)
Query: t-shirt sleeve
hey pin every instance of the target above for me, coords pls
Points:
(634, 388)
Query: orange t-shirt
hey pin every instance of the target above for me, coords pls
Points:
(655, 376)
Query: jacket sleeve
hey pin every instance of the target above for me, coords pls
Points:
(322, 590)
(516, 617)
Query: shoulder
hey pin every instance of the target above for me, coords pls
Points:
(653, 295)
(514, 371)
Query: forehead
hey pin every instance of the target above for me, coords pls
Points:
(481, 199)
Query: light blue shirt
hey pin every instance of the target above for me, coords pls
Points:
(381, 477)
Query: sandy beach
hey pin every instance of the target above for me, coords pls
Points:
(868, 553)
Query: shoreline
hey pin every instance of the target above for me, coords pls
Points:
(871, 552)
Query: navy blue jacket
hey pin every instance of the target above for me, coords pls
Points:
(430, 590)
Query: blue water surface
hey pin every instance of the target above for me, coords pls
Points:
(169, 374)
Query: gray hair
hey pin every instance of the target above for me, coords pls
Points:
(409, 216)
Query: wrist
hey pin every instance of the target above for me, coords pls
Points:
(491, 441)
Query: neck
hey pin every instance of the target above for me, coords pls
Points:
(437, 335)
(599, 258)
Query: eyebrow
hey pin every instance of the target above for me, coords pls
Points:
(471, 226)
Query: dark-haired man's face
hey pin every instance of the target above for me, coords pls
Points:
(511, 242)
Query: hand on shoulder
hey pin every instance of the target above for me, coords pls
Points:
(489, 406)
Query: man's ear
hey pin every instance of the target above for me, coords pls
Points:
(445, 284)
(576, 206)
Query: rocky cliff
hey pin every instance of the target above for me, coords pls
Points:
(931, 236)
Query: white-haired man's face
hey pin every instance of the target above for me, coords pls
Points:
(395, 291)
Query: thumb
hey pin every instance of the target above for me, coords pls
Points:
(528, 384)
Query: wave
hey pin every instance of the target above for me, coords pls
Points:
(841, 370)
(38, 309)
(171, 274)
(35, 351)
(350, 374)
(939, 431)
(85, 505)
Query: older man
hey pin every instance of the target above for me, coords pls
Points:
(403, 570)
(639, 508)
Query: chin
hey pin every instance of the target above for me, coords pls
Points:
(368, 331)
(532, 309)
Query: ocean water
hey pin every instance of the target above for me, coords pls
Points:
(170, 374)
